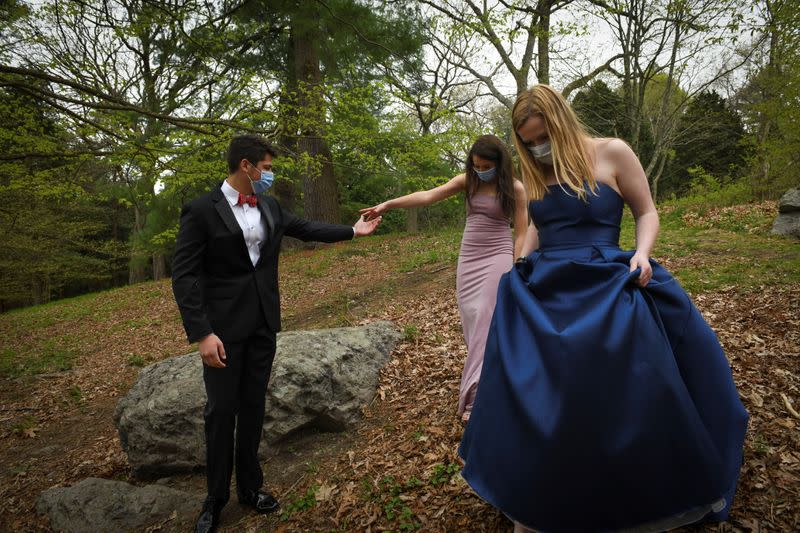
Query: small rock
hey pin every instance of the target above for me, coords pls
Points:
(788, 219)
(790, 201)
(787, 224)
(104, 505)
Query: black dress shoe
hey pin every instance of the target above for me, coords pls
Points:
(262, 502)
(208, 520)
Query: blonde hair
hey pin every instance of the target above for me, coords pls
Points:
(571, 160)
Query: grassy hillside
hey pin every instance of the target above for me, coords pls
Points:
(705, 247)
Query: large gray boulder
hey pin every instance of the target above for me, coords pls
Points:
(102, 505)
(788, 219)
(320, 379)
(790, 201)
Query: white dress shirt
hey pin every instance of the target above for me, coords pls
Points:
(249, 219)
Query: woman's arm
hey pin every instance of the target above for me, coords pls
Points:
(531, 241)
(635, 189)
(419, 198)
(520, 217)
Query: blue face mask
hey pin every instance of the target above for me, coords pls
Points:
(486, 175)
(543, 153)
(264, 183)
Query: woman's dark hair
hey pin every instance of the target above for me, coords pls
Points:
(491, 148)
(250, 147)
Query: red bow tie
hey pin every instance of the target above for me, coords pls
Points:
(251, 199)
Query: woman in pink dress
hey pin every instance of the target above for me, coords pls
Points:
(494, 199)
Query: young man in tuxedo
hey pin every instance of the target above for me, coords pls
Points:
(225, 281)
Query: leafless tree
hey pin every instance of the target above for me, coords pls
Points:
(687, 47)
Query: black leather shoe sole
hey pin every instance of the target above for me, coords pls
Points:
(262, 502)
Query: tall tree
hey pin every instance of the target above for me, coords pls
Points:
(769, 98)
(56, 232)
(711, 137)
(328, 43)
(667, 42)
(601, 109)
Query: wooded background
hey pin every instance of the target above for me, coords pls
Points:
(113, 113)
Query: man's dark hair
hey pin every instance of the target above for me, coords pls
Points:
(250, 147)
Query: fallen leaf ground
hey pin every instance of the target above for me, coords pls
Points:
(64, 365)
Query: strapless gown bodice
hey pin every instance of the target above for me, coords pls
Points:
(562, 219)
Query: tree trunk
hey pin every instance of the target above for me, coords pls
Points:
(40, 289)
(654, 181)
(320, 192)
(159, 266)
(137, 272)
(412, 220)
(136, 266)
(287, 105)
(543, 41)
(762, 178)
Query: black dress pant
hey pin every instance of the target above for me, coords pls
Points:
(235, 403)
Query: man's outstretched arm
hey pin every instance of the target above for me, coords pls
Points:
(311, 230)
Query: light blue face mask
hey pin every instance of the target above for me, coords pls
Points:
(262, 185)
(542, 153)
(486, 175)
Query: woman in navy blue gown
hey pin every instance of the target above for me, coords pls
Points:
(606, 402)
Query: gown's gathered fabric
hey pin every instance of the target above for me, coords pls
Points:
(602, 406)
(486, 254)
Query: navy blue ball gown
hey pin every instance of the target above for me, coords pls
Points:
(602, 406)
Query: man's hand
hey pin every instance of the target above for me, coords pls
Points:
(366, 227)
(212, 351)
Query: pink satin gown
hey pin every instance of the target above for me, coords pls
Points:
(487, 252)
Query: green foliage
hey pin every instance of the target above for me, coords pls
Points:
(27, 423)
(410, 332)
(76, 396)
(57, 229)
(301, 503)
(653, 102)
(125, 152)
(53, 355)
(715, 240)
(707, 192)
(391, 493)
(379, 155)
(770, 103)
(712, 137)
(431, 251)
(701, 182)
(601, 109)
(444, 472)
(137, 361)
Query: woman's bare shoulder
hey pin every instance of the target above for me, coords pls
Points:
(612, 146)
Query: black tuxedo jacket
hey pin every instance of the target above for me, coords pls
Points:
(216, 286)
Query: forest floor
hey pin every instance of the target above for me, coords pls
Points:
(64, 365)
